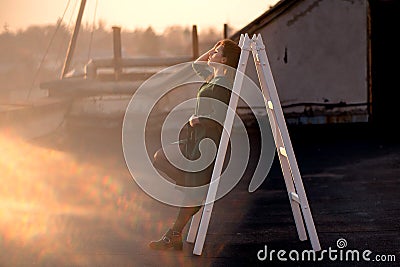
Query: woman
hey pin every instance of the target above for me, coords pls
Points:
(223, 59)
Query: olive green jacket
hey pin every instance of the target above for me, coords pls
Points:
(212, 101)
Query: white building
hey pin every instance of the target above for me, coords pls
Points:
(332, 60)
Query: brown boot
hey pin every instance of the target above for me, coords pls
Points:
(171, 239)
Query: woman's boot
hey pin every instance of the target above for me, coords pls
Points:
(171, 239)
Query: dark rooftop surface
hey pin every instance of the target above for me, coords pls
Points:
(74, 203)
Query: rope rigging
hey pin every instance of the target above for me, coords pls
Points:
(58, 26)
(92, 32)
(69, 28)
(59, 22)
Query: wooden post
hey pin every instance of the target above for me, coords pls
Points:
(72, 42)
(225, 31)
(117, 52)
(195, 43)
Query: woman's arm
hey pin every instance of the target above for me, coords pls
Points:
(204, 57)
(201, 67)
(194, 120)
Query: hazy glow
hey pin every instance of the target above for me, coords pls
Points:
(130, 14)
(52, 206)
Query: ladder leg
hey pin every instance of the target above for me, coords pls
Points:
(201, 235)
(244, 43)
(301, 231)
(298, 219)
(194, 226)
(312, 232)
(287, 175)
(290, 164)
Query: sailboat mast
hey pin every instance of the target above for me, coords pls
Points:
(72, 42)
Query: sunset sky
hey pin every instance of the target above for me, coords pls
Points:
(130, 14)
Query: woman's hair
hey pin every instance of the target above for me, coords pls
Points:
(231, 51)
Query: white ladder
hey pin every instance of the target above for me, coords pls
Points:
(294, 185)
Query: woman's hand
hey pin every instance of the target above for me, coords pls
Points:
(194, 120)
(206, 55)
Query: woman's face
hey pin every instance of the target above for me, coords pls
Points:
(216, 55)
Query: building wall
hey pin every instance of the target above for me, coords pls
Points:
(318, 53)
(385, 58)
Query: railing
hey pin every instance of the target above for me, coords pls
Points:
(118, 63)
(95, 64)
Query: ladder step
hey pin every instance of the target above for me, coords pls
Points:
(270, 105)
(293, 196)
(282, 150)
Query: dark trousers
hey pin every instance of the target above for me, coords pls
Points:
(162, 164)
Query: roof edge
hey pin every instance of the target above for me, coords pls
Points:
(267, 17)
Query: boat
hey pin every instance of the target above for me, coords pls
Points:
(98, 98)
(33, 119)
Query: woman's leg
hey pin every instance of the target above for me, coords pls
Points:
(172, 239)
(184, 215)
(163, 164)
